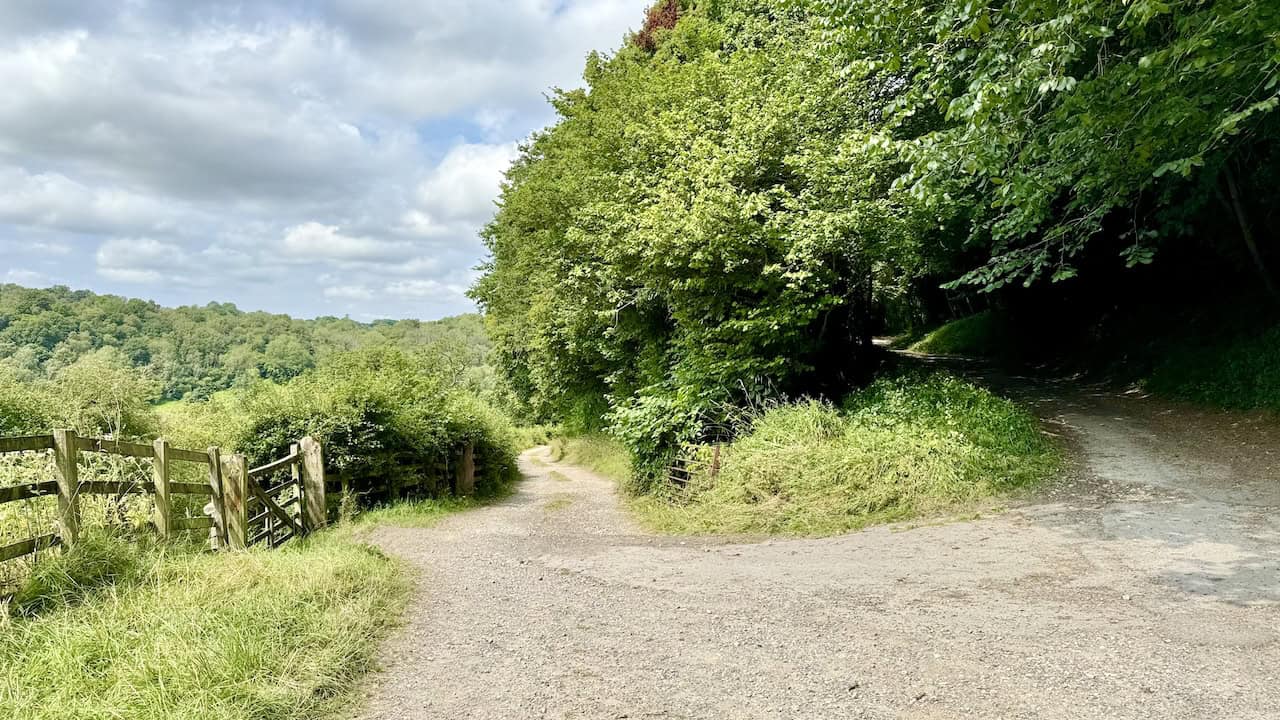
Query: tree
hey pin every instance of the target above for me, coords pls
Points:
(1050, 125)
(706, 223)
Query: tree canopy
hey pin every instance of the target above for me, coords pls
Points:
(748, 188)
(195, 351)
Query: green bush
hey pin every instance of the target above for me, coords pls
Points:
(653, 427)
(387, 420)
(906, 446)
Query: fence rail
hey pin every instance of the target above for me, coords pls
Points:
(693, 460)
(285, 509)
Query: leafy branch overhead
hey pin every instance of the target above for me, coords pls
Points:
(746, 190)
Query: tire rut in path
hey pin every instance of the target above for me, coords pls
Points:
(1125, 592)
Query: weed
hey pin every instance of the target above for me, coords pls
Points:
(558, 503)
(598, 453)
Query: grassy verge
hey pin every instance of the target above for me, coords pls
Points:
(125, 628)
(531, 436)
(1241, 372)
(906, 447)
(981, 335)
(129, 631)
(598, 453)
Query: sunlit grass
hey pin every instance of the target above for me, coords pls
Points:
(904, 448)
(123, 630)
(597, 453)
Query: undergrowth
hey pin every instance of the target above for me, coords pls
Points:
(905, 447)
(1242, 372)
(598, 453)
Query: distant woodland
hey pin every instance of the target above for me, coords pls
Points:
(193, 352)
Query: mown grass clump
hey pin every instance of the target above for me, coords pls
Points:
(905, 447)
(599, 453)
(983, 335)
(114, 630)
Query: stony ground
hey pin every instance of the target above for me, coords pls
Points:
(1146, 585)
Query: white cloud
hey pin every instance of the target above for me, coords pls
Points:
(312, 241)
(348, 292)
(466, 183)
(424, 289)
(30, 278)
(268, 143)
(53, 200)
(142, 261)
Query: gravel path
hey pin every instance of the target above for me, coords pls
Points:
(1145, 586)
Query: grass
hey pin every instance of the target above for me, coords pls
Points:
(907, 447)
(1239, 372)
(419, 513)
(598, 453)
(119, 630)
(558, 503)
(981, 335)
(129, 628)
(531, 436)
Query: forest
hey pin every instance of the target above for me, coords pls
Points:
(193, 352)
(749, 191)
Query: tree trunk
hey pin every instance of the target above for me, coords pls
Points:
(1246, 232)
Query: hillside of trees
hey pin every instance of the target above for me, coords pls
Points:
(749, 190)
(195, 351)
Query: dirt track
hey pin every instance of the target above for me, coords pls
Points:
(1147, 585)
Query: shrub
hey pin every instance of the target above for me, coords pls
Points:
(1242, 372)
(387, 420)
(653, 427)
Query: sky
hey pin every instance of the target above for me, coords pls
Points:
(310, 157)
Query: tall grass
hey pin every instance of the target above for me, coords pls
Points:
(125, 630)
(905, 447)
(598, 453)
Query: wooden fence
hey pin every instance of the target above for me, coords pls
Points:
(271, 504)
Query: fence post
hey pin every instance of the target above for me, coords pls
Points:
(160, 473)
(314, 512)
(216, 502)
(467, 471)
(66, 456)
(235, 494)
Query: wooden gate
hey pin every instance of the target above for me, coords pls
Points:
(286, 497)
